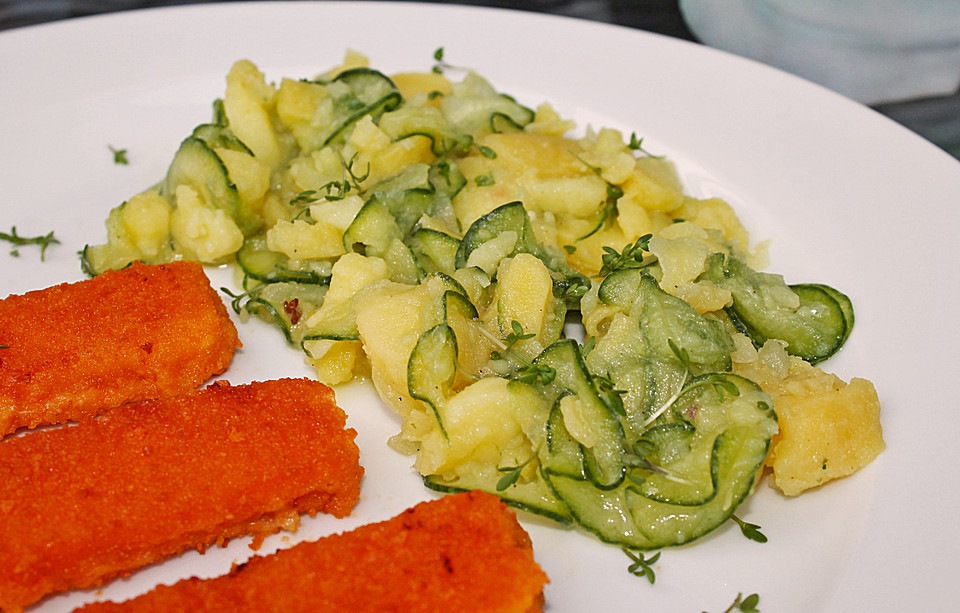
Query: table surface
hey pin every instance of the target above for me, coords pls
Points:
(937, 119)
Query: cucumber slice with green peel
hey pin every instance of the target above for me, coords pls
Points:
(408, 120)
(572, 385)
(813, 319)
(475, 108)
(533, 496)
(436, 251)
(457, 304)
(563, 455)
(266, 266)
(406, 196)
(358, 92)
(710, 448)
(197, 166)
(510, 217)
(420, 190)
(846, 305)
(402, 263)
(504, 232)
(691, 478)
(218, 136)
(372, 231)
(285, 305)
(432, 368)
(666, 322)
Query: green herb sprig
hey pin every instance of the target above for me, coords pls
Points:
(630, 257)
(119, 156)
(512, 474)
(20, 241)
(636, 144)
(528, 371)
(642, 566)
(744, 605)
(608, 211)
(334, 190)
(751, 531)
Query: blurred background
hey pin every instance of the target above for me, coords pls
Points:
(900, 57)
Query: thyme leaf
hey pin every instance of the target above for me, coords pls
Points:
(612, 396)
(119, 156)
(512, 474)
(609, 212)
(528, 371)
(20, 241)
(484, 180)
(529, 374)
(641, 566)
(630, 257)
(237, 299)
(751, 531)
(636, 144)
(487, 152)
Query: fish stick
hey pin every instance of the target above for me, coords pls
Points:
(463, 552)
(81, 504)
(76, 349)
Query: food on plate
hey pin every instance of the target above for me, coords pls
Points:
(76, 349)
(828, 428)
(554, 318)
(86, 503)
(464, 552)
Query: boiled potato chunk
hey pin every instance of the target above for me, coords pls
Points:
(250, 175)
(828, 429)
(300, 240)
(491, 422)
(336, 362)
(146, 219)
(200, 231)
(248, 103)
(390, 319)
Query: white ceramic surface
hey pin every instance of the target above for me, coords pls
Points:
(846, 197)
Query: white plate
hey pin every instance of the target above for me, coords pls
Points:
(847, 197)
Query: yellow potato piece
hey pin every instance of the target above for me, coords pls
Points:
(828, 429)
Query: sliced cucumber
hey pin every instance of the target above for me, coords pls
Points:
(476, 108)
(603, 459)
(358, 92)
(432, 369)
(435, 250)
(846, 305)
(409, 120)
(563, 455)
(694, 481)
(664, 320)
(199, 167)
(533, 496)
(813, 330)
(372, 231)
(218, 136)
(266, 266)
(285, 305)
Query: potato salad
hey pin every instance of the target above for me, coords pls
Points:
(554, 318)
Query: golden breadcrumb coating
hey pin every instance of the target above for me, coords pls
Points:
(84, 503)
(76, 349)
(464, 552)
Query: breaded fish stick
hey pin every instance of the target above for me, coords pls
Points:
(75, 349)
(464, 553)
(85, 503)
